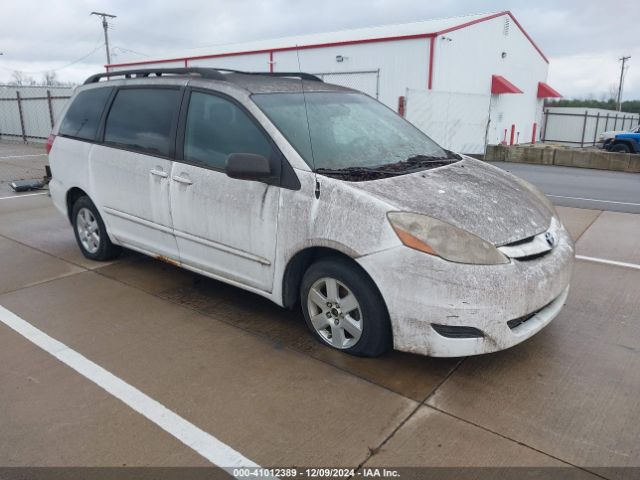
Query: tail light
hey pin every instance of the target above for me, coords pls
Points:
(50, 140)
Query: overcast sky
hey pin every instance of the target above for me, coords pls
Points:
(582, 38)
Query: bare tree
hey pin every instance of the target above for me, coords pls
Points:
(50, 79)
(19, 79)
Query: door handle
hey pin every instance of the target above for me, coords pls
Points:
(159, 173)
(183, 180)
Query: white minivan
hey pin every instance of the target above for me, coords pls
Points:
(311, 195)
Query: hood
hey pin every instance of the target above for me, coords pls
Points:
(471, 195)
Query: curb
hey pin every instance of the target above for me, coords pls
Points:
(565, 157)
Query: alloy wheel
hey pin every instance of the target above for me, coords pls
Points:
(335, 313)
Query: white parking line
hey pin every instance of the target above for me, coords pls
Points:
(24, 195)
(608, 262)
(205, 444)
(23, 156)
(594, 200)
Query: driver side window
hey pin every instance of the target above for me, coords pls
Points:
(215, 128)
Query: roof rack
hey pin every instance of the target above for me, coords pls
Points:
(211, 73)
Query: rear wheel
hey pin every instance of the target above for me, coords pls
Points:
(343, 308)
(621, 148)
(90, 232)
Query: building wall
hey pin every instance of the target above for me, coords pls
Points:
(403, 64)
(258, 62)
(466, 62)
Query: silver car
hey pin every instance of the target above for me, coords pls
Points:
(314, 196)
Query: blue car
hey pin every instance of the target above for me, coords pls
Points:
(624, 143)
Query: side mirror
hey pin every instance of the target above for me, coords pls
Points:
(248, 166)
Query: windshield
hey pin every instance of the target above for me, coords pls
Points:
(347, 130)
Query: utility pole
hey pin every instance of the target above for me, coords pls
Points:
(624, 61)
(105, 26)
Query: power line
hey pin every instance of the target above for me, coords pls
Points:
(59, 68)
(122, 49)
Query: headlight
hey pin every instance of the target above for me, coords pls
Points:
(438, 238)
(539, 195)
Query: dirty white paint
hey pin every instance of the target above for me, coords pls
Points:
(421, 289)
(203, 443)
(246, 233)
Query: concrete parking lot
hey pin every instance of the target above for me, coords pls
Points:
(240, 370)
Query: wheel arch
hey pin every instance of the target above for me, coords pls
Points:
(300, 262)
(633, 146)
(73, 194)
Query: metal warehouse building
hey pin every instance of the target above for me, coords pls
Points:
(465, 81)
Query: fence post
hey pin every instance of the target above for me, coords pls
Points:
(533, 133)
(50, 107)
(595, 130)
(615, 122)
(584, 128)
(401, 106)
(24, 134)
(606, 124)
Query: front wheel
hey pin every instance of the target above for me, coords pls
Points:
(343, 308)
(91, 234)
(621, 148)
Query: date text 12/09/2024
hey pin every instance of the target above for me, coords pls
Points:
(293, 472)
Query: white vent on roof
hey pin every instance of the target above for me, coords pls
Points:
(507, 24)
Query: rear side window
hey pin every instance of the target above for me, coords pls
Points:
(141, 119)
(83, 116)
(216, 128)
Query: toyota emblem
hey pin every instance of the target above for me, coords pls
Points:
(551, 240)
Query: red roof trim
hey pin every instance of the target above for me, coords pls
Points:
(545, 91)
(500, 85)
(281, 49)
(337, 44)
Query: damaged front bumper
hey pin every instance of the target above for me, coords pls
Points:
(446, 309)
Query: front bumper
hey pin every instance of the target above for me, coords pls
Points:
(421, 290)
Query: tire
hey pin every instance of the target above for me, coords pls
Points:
(90, 232)
(364, 330)
(621, 148)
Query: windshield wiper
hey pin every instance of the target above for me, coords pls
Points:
(356, 171)
(421, 159)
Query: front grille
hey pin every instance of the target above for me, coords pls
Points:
(451, 331)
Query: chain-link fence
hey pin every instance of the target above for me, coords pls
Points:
(367, 81)
(28, 113)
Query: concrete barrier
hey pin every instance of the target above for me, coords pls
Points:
(565, 157)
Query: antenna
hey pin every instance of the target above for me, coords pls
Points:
(105, 26)
(306, 113)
